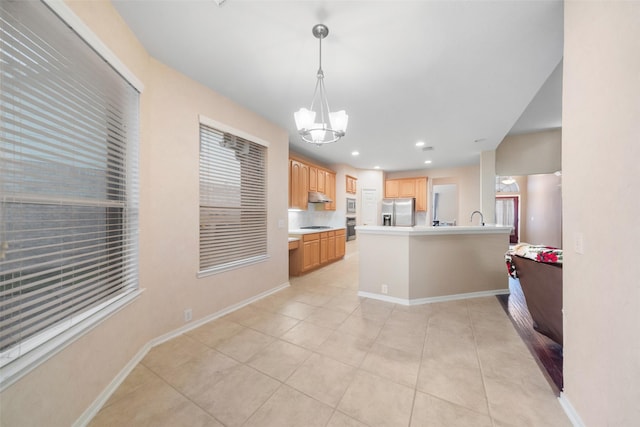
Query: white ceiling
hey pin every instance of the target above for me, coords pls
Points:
(458, 75)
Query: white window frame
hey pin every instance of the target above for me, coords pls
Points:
(208, 122)
(19, 361)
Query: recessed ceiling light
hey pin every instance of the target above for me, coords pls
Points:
(427, 162)
(419, 143)
(376, 167)
(355, 153)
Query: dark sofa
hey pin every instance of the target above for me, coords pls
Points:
(539, 269)
(541, 284)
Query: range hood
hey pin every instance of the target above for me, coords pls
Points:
(318, 197)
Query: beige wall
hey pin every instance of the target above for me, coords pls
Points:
(540, 212)
(530, 153)
(488, 186)
(601, 150)
(543, 213)
(61, 389)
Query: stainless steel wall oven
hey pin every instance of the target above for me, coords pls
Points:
(351, 228)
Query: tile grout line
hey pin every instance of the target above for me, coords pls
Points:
(356, 369)
(246, 365)
(311, 353)
(415, 387)
(484, 385)
(182, 394)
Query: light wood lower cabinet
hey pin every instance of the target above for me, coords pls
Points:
(317, 250)
(310, 251)
(331, 246)
(341, 243)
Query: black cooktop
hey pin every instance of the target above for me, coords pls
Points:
(315, 227)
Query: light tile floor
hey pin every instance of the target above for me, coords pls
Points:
(316, 354)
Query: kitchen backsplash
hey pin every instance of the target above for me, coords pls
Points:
(299, 219)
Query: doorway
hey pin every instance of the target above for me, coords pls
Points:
(507, 214)
(369, 206)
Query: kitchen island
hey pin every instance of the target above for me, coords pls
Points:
(417, 265)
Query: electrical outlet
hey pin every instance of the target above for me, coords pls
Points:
(385, 289)
(188, 314)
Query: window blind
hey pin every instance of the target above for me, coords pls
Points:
(233, 201)
(68, 177)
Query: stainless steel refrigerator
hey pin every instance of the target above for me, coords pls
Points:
(399, 212)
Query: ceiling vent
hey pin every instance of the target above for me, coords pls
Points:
(427, 148)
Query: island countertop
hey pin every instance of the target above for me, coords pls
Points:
(437, 231)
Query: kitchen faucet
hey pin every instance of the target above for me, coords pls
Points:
(481, 217)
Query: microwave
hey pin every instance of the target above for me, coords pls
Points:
(351, 205)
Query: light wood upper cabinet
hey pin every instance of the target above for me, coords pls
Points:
(330, 191)
(351, 184)
(313, 178)
(322, 181)
(305, 177)
(421, 194)
(408, 187)
(391, 188)
(298, 184)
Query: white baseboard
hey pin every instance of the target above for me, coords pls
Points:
(571, 412)
(197, 323)
(97, 404)
(419, 301)
(382, 297)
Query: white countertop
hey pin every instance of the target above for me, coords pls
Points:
(432, 231)
(299, 231)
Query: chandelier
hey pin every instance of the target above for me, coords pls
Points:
(318, 125)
